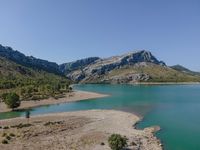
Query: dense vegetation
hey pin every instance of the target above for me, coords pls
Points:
(11, 100)
(30, 84)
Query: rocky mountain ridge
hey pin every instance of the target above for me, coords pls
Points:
(79, 64)
(132, 67)
(100, 67)
(28, 61)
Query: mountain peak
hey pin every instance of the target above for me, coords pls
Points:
(142, 56)
(99, 67)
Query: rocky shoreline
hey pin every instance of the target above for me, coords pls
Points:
(80, 130)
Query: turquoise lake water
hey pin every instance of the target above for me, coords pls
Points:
(175, 108)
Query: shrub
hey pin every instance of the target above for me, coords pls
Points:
(27, 114)
(4, 134)
(6, 127)
(12, 100)
(8, 137)
(117, 142)
(12, 134)
(3, 96)
(4, 141)
(70, 89)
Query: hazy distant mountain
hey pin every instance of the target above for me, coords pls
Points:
(139, 66)
(184, 70)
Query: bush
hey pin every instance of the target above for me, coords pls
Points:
(8, 137)
(12, 100)
(4, 134)
(4, 141)
(12, 134)
(6, 127)
(117, 142)
(3, 96)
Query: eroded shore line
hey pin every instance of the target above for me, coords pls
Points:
(69, 97)
(78, 130)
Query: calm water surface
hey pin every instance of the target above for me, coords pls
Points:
(175, 108)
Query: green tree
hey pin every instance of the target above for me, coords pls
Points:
(27, 115)
(117, 142)
(12, 100)
(3, 96)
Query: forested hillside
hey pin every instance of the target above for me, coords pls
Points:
(30, 84)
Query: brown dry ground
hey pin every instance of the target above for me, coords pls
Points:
(81, 130)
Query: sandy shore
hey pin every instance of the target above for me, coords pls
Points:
(81, 130)
(70, 97)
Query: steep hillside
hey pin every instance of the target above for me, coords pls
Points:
(79, 64)
(30, 83)
(140, 66)
(147, 72)
(28, 61)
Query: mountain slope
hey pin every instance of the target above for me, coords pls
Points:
(28, 61)
(79, 64)
(30, 83)
(184, 70)
(140, 66)
(147, 72)
(18, 70)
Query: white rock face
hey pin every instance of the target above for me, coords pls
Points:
(100, 67)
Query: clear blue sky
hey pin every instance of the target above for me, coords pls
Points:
(66, 30)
